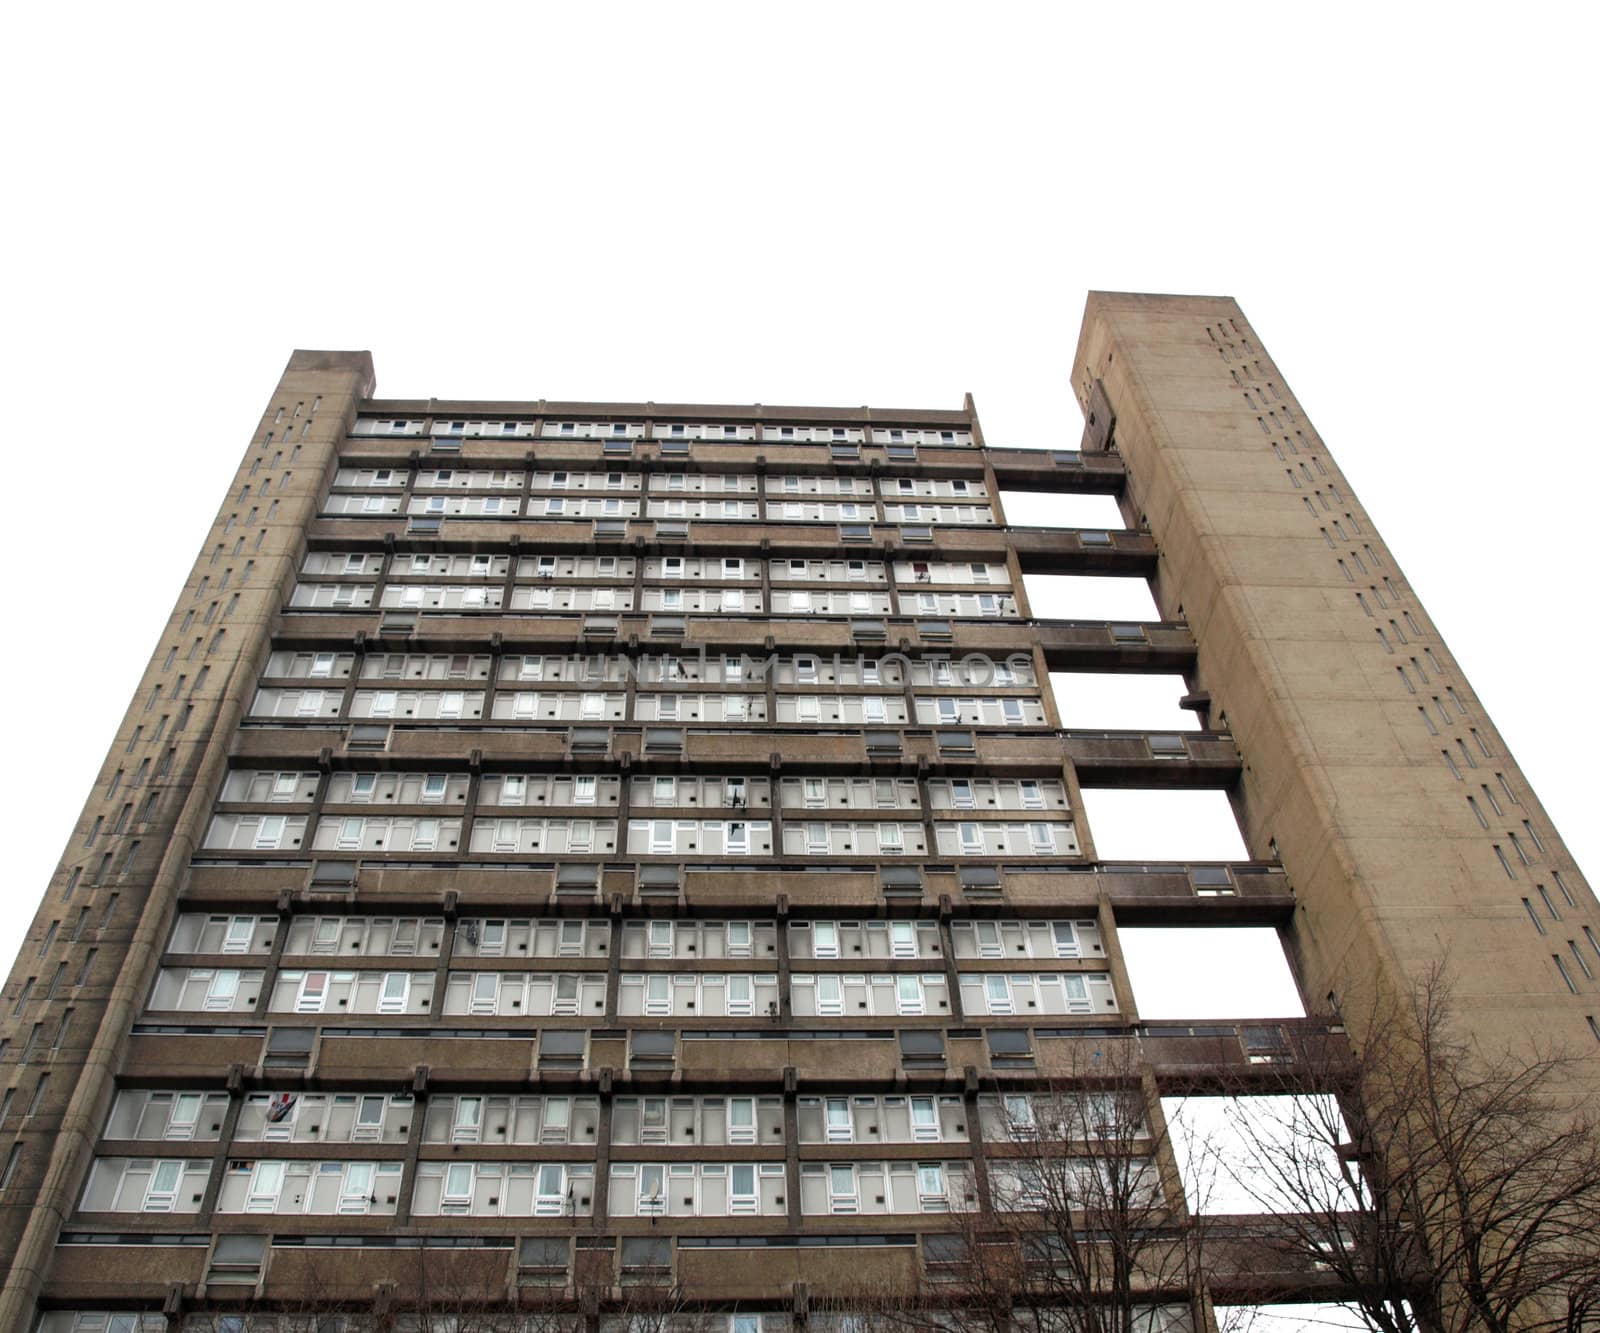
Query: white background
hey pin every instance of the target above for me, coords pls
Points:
(830, 204)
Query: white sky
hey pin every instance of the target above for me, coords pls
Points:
(834, 204)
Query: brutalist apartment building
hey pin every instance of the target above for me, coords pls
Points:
(563, 851)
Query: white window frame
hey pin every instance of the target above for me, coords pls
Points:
(309, 999)
(395, 993)
(840, 1200)
(222, 993)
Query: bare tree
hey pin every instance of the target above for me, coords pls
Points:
(1444, 1186)
(1084, 1229)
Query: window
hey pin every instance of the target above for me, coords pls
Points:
(652, 1190)
(238, 934)
(396, 991)
(842, 1190)
(997, 994)
(313, 991)
(742, 1198)
(1020, 1121)
(840, 1125)
(161, 1195)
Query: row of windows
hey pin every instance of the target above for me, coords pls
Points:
(577, 937)
(468, 428)
(299, 787)
(653, 837)
(713, 668)
(557, 1189)
(351, 504)
(712, 601)
(574, 706)
(727, 569)
(654, 1257)
(832, 995)
(654, 994)
(670, 430)
(520, 1189)
(693, 483)
(859, 1118)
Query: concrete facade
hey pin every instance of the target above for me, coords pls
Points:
(436, 858)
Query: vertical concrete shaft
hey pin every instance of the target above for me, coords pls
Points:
(1362, 738)
(251, 552)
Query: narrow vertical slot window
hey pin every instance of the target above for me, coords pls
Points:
(1572, 945)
